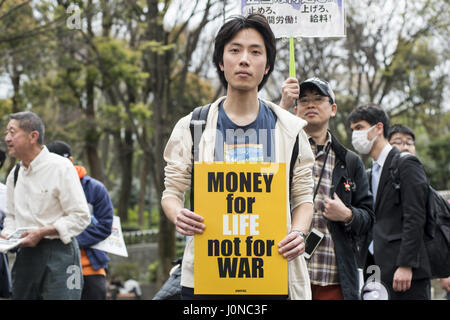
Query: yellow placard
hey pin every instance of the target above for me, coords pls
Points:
(244, 207)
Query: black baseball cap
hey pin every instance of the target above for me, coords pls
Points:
(60, 147)
(323, 86)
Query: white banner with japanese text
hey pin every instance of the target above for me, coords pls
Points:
(300, 18)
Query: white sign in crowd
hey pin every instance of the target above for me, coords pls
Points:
(300, 18)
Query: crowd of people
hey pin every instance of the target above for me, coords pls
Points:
(330, 189)
(66, 211)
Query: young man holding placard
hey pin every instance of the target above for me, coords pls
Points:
(244, 56)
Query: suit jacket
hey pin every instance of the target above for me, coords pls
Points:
(399, 224)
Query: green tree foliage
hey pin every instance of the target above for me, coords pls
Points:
(111, 79)
(439, 169)
(394, 54)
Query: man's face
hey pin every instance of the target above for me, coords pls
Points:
(245, 60)
(315, 108)
(404, 142)
(364, 125)
(17, 140)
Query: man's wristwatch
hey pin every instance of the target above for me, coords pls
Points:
(300, 233)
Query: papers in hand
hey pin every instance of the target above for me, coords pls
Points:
(13, 240)
(115, 243)
(6, 244)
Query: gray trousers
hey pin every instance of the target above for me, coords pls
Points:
(49, 271)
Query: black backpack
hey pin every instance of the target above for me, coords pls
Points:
(171, 289)
(197, 126)
(16, 173)
(437, 223)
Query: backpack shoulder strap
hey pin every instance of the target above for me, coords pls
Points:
(395, 175)
(198, 121)
(397, 162)
(293, 160)
(197, 126)
(16, 173)
(394, 171)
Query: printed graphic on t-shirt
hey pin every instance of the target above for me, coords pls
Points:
(250, 143)
(243, 152)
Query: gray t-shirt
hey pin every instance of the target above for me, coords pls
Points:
(251, 143)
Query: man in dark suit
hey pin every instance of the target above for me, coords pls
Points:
(397, 237)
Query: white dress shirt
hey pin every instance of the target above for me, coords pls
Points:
(383, 155)
(47, 193)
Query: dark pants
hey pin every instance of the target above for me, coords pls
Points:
(419, 290)
(94, 287)
(49, 271)
(188, 294)
(5, 277)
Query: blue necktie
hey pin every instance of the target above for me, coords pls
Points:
(376, 172)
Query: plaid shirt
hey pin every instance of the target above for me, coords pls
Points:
(322, 265)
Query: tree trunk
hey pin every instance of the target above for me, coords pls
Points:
(166, 238)
(92, 135)
(143, 179)
(159, 67)
(15, 80)
(125, 160)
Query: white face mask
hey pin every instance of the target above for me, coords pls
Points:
(360, 141)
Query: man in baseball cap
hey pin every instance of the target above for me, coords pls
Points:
(94, 262)
(61, 148)
(323, 86)
(291, 91)
(342, 202)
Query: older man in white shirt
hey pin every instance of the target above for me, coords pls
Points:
(46, 196)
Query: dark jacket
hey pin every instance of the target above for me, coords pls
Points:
(359, 200)
(100, 228)
(398, 231)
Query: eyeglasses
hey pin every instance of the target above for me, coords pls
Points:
(408, 143)
(316, 99)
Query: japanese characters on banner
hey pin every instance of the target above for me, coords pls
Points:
(244, 207)
(300, 18)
